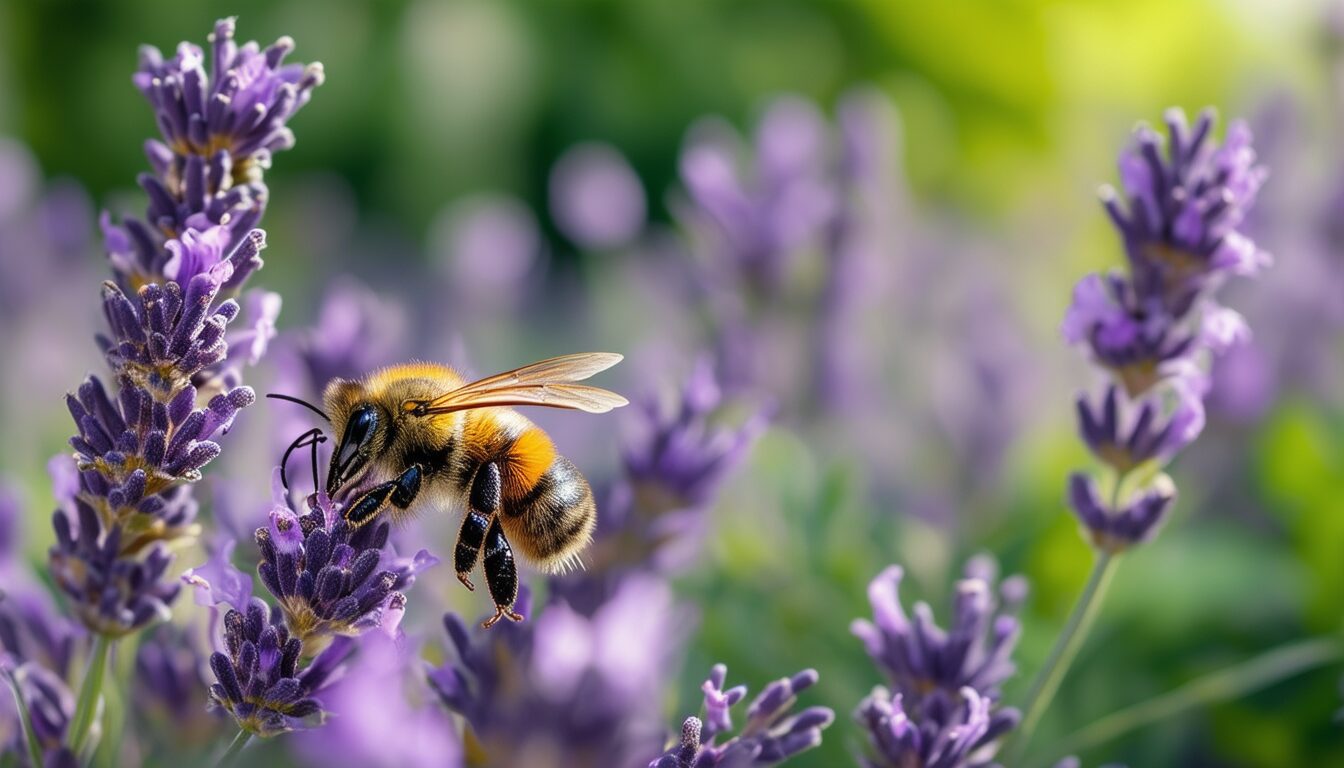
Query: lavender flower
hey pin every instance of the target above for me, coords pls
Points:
(170, 667)
(676, 458)
(562, 689)
(1181, 213)
(326, 575)
(676, 452)
(177, 385)
(1153, 329)
(50, 704)
(771, 735)
(220, 130)
(259, 683)
(900, 742)
(945, 685)
(1134, 521)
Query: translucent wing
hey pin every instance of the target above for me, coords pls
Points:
(549, 383)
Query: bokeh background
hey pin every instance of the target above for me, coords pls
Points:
(495, 182)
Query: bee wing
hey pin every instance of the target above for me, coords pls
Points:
(549, 383)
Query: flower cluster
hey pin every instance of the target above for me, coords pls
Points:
(331, 584)
(219, 131)
(258, 679)
(941, 709)
(1152, 328)
(771, 735)
(327, 575)
(174, 362)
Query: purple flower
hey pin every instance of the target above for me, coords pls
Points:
(677, 452)
(50, 704)
(329, 579)
(1180, 215)
(113, 588)
(241, 105)
(595, 197)
(772, 733)
(171, 665)
(206, 193)
(676, 459)
(930, 666)
(1155, 329)
(1125, 435)
(1136, 338)
(944, 683)
(378, 716)
(1133, 521)
(562, 689)
(257, 680)
(356, 331)
(217, 581)
(755, 221)
(899, 741)
(177, 382)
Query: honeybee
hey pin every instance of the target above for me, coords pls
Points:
(418, 434)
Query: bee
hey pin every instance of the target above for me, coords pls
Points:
(419, 434)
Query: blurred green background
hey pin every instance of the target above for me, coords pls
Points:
(1011, 113)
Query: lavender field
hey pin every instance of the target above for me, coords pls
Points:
(977, 396)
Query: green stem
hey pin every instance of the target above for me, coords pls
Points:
(90, 691)
(34, 749)
(1066, 648)
(1225, 684)
(235, 748)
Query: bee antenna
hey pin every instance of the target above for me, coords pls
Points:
(313, 437)
(304, 403)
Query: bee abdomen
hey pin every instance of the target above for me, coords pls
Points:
(554, 519)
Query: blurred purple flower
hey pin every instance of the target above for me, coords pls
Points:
(377, 718)
(676, 459)
(563, 689)
(772, 734)
(1181, 214)
(1115, 528)
(356, 331)
(1125, 436)
(489, 247)
(171, 664)
(898, 741)
(50, 705)
(596, 199)
(1154, 329)
(757, 218)
(944, 684)
(675, 450)
(217, 581)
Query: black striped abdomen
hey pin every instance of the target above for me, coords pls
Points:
(551, 522)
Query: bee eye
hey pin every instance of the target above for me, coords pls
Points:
(362, 423)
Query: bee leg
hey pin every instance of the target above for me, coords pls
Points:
(482, 503)
(400, 492)
(501, 575)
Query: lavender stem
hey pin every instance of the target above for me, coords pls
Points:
(1233, 682)
(25, 717)
(1070, 641)
(235, 748)
(90, 691)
